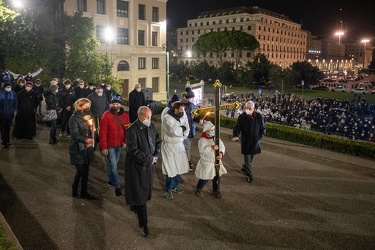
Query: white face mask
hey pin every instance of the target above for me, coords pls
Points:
(91, 88)
(28, 88)
(8, 89)
(67, 86)
(81, 86)
(249, 112)
(108, 88)
(147, 122)
(21, 84)
(139, 90)
(100, 94)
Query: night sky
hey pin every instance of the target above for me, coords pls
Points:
(321, 17)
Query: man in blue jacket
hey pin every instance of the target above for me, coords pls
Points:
(8, 105)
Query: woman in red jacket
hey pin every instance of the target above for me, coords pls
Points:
(113, 126)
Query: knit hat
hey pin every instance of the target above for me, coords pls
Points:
(30, 83)
(99, 87)
(116, 99)
(175, 98)
(53, 88)
(7, 84)
(189, 93)
(207, 126)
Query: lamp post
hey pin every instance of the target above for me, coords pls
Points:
(164, 47)
(108, 36)
(365, 41)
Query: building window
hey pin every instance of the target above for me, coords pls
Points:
(154, 38)
(155, 84)
(100, 6)
(155, 63)
(249, 27)
(142, 81)
(122, 36)
(123, 66)
(142, 63)
(100, 33)
(141, 37)
(141, 12)
(155, 14)
(82, 5)
(122, 8)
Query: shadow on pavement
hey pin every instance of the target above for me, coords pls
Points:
(28, 231)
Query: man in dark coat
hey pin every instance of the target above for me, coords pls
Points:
(136, 100)
(143, 149)
(8, 105)
(25, 127)
(66, 98)
(250, 125)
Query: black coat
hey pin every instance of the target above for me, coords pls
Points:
(138, 168)
(52, 101)
(136, 100)
(79, 132)
(25, 127)
(251, 130)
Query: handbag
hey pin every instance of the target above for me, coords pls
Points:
(50, 115)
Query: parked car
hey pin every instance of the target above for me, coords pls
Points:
(359, 91)
(320, 88)
(339, 89)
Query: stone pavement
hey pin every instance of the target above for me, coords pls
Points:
(301, 197)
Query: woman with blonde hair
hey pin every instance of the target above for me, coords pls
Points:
(81, 144)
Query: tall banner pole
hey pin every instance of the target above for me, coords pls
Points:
(217, 86)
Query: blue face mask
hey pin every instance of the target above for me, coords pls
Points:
(211, 134)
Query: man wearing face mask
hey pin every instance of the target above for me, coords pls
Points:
(67, 98)
(109, 92)
(113, 126)
(8, 105)
(99, 105)
(189, 107)
(136, 100)
(143, 149)
(38, 88)
(174, 131)
(251, 128)
(25, 127)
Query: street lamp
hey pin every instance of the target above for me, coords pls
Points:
(18, 4)
(164, 47)
(108, 36)
(364, 50)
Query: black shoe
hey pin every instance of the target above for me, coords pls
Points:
(133, 209)
(9, 143)
(109, 183)
(144, 231)
(191, 166)
(118, 192)
(5, 146)
(88, 196)
(52, 142)
(74, 193)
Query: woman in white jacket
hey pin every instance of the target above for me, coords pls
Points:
(206, 165)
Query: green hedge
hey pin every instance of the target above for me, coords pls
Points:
(311, 138)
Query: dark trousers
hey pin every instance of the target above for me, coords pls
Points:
(5, 125)
(65, 116)
(215, 184)
(142, 214)
(82, 174)
(52, 132)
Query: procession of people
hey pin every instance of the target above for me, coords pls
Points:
(93, 118)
